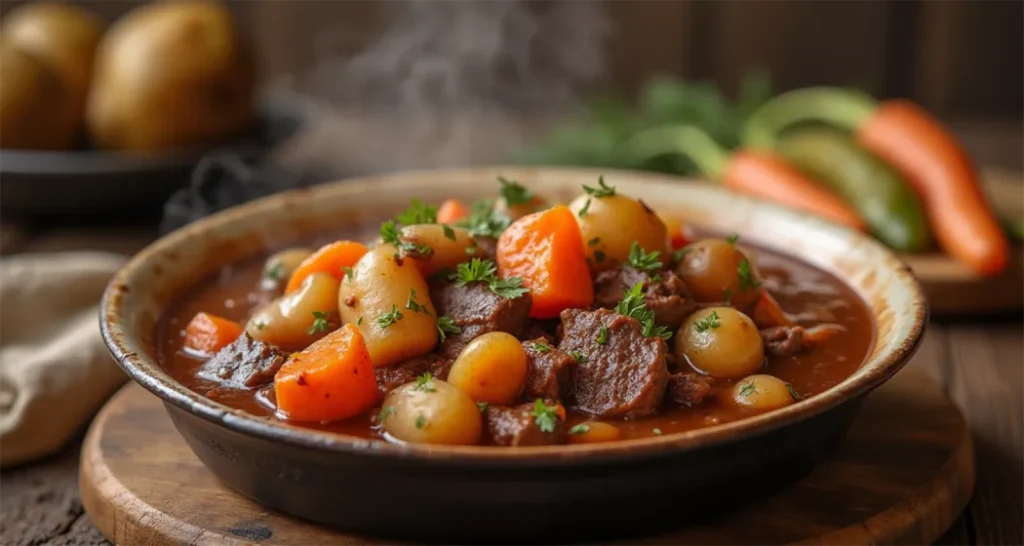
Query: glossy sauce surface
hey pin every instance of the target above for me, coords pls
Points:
(809, 295)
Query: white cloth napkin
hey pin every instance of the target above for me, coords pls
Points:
(55, 371)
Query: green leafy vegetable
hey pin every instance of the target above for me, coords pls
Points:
(348, 274)
(482, 406)
(731, 239)
(446, 326)
(585, 210)
(480, 270)
(414, 306)
(389, 234)
(448, 231)
(632, 305)
(276, 271)
(580, 429)
(421, 421)
(602, 335)
(418, 213)
(748, 281)
(484, 221)
(747, 389)
(385, 412)
(545, 416)
(793, 392)
(643, 261)
(389, 318)
(514, 192)
(425, 383)
(321, 323)
(602, 189)
(580, 357)
(707, 323)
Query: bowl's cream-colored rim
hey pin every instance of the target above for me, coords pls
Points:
(892, 293)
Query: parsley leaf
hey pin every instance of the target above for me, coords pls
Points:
(484, 221)
(603, 189)
(544, 416)
(421, 421)
(541, 347)
(514, 192)
(793, 392)
(418, 213)
(580, 429)
(657, 432)
(594, 241)
(479, 270)
(642, 260)
(748, 280)
(448, 231)
(731, 239)
(348, 274)
(415, 306)
(511, 287)
(359, 321)
(321, 323)
(276, 271)
(425, 383)
(599, 255)
(632, 305)
(482, 406)
(602, 335)
(585, 210)
(747, 389)
(385, 412)
(580, 357)
(389, 234)
(677, 256)
(387, 319)
(707, 323)
(445, 326)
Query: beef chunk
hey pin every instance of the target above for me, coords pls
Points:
(486, 246)
(477, 310)
(624, 377)
(245, 364)
(665, 293)
(391, 377)
(551, 371)
(783, 340)
(689, 389)
(540, 329)
(517, 426)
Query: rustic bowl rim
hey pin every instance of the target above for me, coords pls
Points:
(148, 373)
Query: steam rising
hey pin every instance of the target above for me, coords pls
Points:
(447, 83)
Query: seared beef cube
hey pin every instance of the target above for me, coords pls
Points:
(477, 311)
(245, 364)
(689, 389)
(486, 246)
(517, 426)
(537, 329)
(390, 378)
(550, 371)
(623, 377)
(783, 340)
(664, 293)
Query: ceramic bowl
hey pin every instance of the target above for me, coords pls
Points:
(474, 493)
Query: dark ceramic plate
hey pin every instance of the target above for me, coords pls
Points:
(479, 493)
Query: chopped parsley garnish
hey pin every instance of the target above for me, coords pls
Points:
(541, 347)
(603, 189)
(425, 383)
(418, 213)
(642, 260)
(385, 412)
(321, 323)
(482, 406)
(359, 321)
(731, 239)
(479, 270)
(276, 271)
(677, 256)
(421, 421)
(793, 392)
(514, 192)
(389, 234)
(387, 319)
(414, 306)
(484, 221)
(747, 389)
(707, 323)
(748, 281)
(599, 255)
(448, 231)
(632, 305)
(594, 241)
(445, 326)
(580, 429)
(580, 357)
(348, 274)
(585, 210)
(261, 325)
(602, 335)
(657, 432)
(544, 416)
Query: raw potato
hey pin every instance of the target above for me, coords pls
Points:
(492, 369)
(287, 321)
(280, 266)
(711, 270)
(762, 393)
(612, 223)
(731, 350)
(171, 75)
(432, 412)
(597, 432)
(36, 107)
(446, 253)
(383, 283)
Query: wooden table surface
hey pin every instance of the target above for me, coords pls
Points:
(979, 362)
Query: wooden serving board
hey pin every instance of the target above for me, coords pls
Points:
(903, 474)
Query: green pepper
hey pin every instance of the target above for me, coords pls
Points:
(892, 210)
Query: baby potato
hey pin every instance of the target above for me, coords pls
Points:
(519, 210)
(715, 270)
(611, 224)
(431, 411)
(295, 320)
(387, 298)
(762, 393)
(492, 369)
(593, 432)
(450, 246)
(720, 342)
(280, 266)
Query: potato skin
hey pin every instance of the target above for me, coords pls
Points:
(433, 413)
(762, 393)
(731, 350)
(492, 369)
(382, 282)
(279, 267)
(612, 223)
(711, 269)
(286, 321)
(447, 253)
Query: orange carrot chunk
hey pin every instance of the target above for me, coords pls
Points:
(332, 379)
(327, 259)
(546, 250)
(677, 235)
(208, 333)
(451, 211)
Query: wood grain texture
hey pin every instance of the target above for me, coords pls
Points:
(902, 476)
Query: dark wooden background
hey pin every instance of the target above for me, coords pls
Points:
(961, 58)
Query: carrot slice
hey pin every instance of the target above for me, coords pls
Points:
(207, 333)
(327, 259)
(451, 211)
(331, 379)
(767, 312)
(546, 250)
